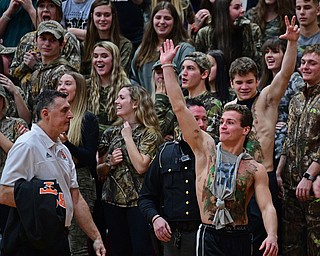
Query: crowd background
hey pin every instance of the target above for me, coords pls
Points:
(107, 52)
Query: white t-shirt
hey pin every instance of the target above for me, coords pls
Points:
(75, 15)
(34, 154)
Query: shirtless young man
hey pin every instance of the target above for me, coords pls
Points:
(264, 106)
(223, 230)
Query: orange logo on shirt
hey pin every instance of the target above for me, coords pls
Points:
(48, 188)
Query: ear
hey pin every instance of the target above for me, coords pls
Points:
(44, 113)
(231, 84)
(246, 130)
(135, 105)
(63, 44)
(205, 74)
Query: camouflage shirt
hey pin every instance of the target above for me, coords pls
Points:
(105, 120)
(302, 144)
(295, 84)
(47, 77)
(9, 128)
(251, 44)
(213, 108)
(165, 114)
(20, 71)
(12, 110)
(271, 30)
(124, 183)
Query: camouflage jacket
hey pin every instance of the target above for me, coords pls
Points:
(213, 108)
(251, 44)
(9, 128)
(302, 144)
(12, 110)
(20, 71)
(124, 183)
(295, 84)
(271, 30)
(165, 114)
(47, 77)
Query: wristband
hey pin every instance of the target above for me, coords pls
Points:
(6, 17)
(167, 65)
(155, 218)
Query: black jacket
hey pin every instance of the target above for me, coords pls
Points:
(169, 185)
(37, 225)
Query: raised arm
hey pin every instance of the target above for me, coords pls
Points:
(279, 84)
(188, 124)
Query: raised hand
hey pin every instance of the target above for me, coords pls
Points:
(292, 32)
(167, 52)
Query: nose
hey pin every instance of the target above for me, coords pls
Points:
(223, 125)
(303, 65)
(160, 75)
(241, 11)
(98, 58)
(184, 72)
(46, 42)
(61, 86)
(70, 115)
(200, 123)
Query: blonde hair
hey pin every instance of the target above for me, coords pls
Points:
(145, 113)
(78, 109)
(118, 78)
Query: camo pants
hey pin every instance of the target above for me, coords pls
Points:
(78, 240)
(301, 226)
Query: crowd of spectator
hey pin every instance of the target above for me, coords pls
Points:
(123, 139)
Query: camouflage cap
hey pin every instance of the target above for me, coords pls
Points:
(156, 65)
(56, 2)
(201, 59)
(52, 27)
(6, 50)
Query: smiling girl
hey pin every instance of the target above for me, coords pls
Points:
(164, 23)
(103, 25)
(107, 76)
